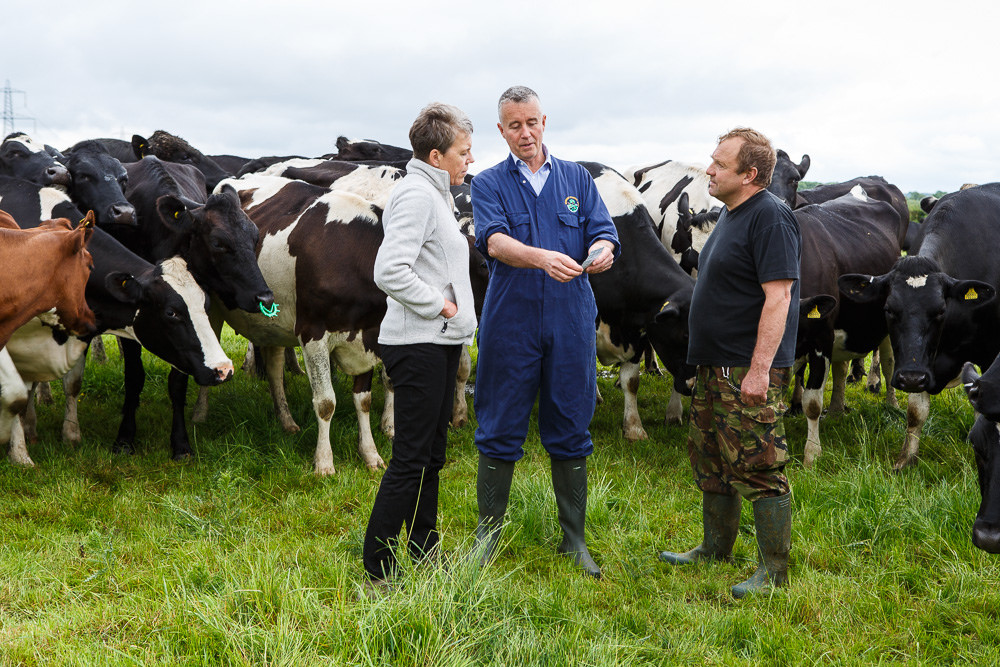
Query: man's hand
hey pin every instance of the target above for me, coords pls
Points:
(449, 309)
(559, 266)
(753, 389)
(605, 259)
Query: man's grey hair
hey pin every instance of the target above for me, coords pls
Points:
(517, 95)
(437, 126)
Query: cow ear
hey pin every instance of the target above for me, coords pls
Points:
(87, 225)
(342, 142)
(123, 286)
(683, 204)
(173, 213)
(817, 307)
(927, 203)
(971, 293)
(230, 192)
(862, 288)
(140, 146)
(668, 311)
(803, 166)
(969, 375)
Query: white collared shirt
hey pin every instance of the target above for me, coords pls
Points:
(538, 178)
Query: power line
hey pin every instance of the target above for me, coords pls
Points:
(8, 108)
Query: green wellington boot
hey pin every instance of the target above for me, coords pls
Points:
(569, 481)
(772, 517)
(721, 519)
(492, 492)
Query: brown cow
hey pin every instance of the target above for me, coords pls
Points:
(44, 268)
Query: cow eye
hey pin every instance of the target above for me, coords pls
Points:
(171, 314)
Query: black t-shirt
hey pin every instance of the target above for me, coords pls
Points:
(756, 242)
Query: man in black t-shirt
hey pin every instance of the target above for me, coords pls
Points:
(743, 319)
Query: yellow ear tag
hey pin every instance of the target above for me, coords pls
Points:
(971, 295)
(665, 304)
(814, 313)
(123, 282)
(177, 214)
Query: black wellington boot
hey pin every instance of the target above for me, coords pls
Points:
(772, 518)
(492, 492)
(569, 480)
(721, 519)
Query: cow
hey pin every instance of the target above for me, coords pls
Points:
(45, 268)
(373, 182)
(644, 298)
(317, 251)
(939, 304)
(171, 148)
(98, 183)
(214, 238)
(786, 176)
(853, 233)
(159, 305)
(985, 438)
(20, 157)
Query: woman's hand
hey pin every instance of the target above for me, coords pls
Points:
(449, 309)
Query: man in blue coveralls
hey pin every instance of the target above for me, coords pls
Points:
(538, 220)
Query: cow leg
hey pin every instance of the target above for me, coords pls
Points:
(292, 362)
(599, 399)
(631, 423)
(888, 364)
(388, 423)
(274, 365)
(97, 352)
(135, 378)
(29, 418)
(362, 407)
(250, 361)
(857, 370)
(675, 409)
(918, 406)
(874, 379)
(324, 400)
(180, 446)
(13, 402)
(839, 388)
(812, 406)
(652, 367)
(72, 385)
(460, 408)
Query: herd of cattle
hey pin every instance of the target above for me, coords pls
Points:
(175, 243)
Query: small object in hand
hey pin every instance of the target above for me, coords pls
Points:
(594, 254)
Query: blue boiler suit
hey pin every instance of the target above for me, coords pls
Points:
(536, 334)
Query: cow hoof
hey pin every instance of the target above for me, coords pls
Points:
(654, 371)
(183, 456)
(290, 427)
(634, 434)
(376, 464)
(875, 388)
(459, 423)
(122, 448)
(24, 462)
(71, 434)
(325, 471)
(673, 421)
(794, 410)
(904, 462)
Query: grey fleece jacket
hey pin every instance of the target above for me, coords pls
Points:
(423, 259)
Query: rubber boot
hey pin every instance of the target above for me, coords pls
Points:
(721, 519)
(569, 481)
(492, 492)
(772, 518)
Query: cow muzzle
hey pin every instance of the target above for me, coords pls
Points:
(911, 381)
(986, 536)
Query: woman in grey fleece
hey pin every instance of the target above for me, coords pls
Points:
(423, 267)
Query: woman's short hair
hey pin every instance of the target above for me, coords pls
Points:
(756, 151)
(437, 126)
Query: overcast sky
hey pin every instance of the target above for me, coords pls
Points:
(906, 90)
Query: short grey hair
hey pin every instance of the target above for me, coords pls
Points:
(516, 95)
(437, 126)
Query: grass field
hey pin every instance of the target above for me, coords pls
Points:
(242, 556)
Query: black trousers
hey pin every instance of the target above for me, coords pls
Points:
(423, 377)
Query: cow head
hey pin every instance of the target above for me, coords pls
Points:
(221, 247)
(786, 177)
(367, 149)
(21, 157)
(668, 334)
(985, 439)
(98, 184)
(70, 281)
(172, 148)
(921, 304)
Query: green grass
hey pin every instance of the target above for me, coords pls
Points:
(242, 556)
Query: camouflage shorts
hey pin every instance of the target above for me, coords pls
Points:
(736, 448)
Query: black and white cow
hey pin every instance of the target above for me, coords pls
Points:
(984, 394)
(20, 157)
(171, 148)
(214, 238)
(369, 149)
(643, 299)
(939, 304)
(98, 183)
(158, 305)
(373, 182)
(853, 233)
